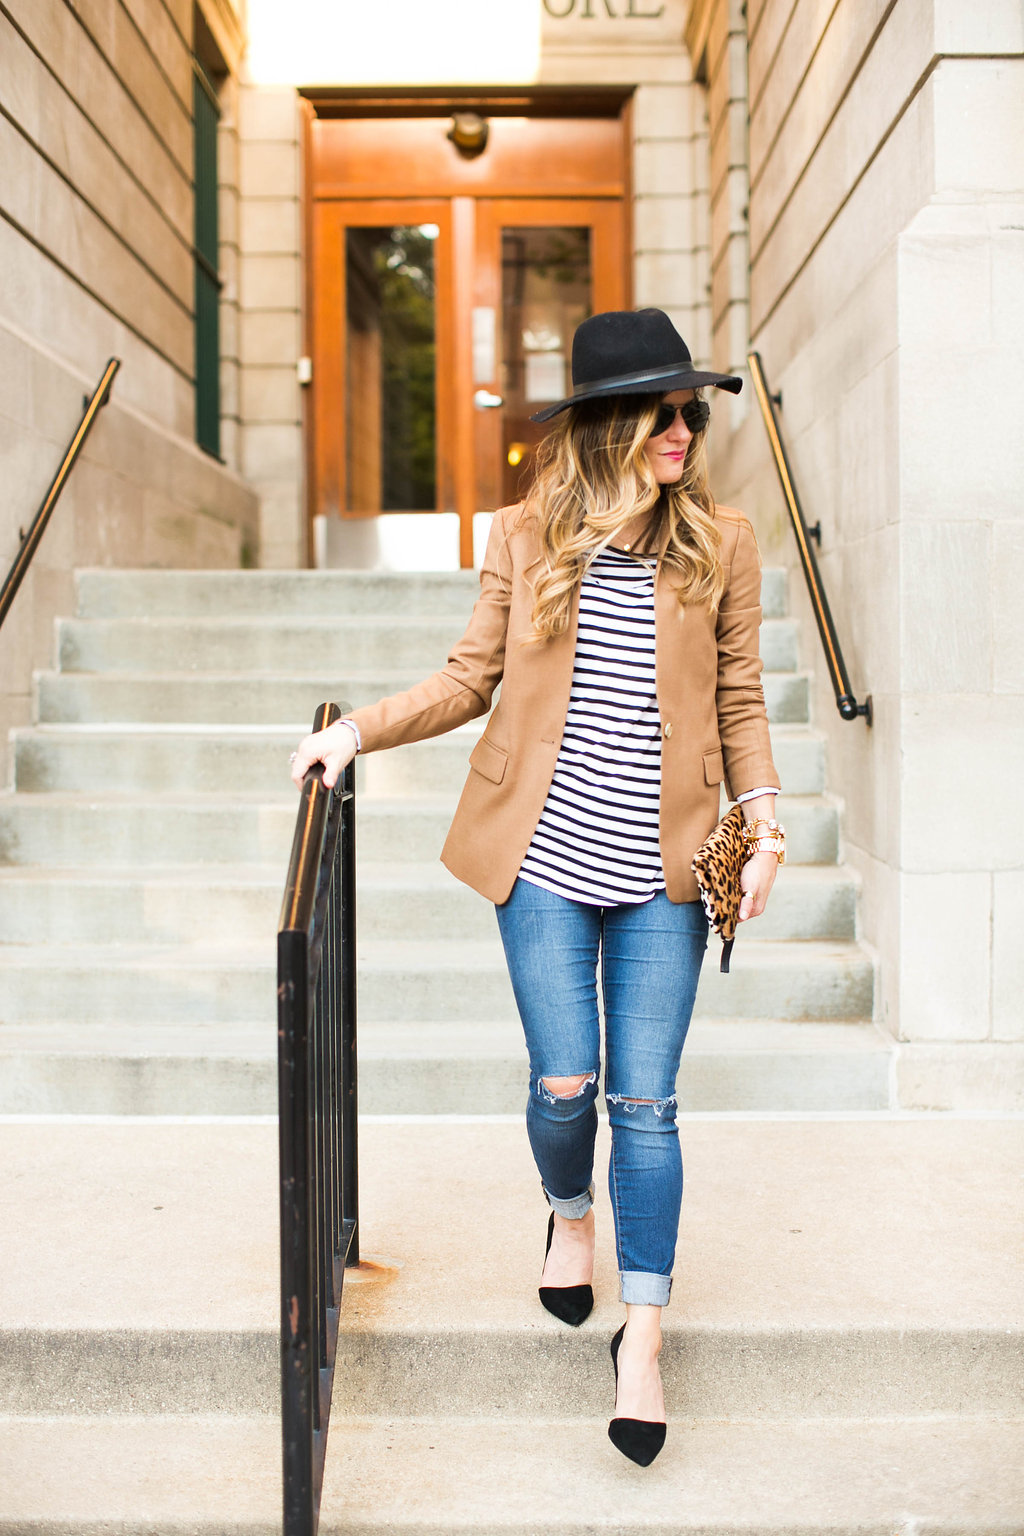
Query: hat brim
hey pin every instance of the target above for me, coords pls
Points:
(686, 379)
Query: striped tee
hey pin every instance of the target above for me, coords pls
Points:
(597, 837)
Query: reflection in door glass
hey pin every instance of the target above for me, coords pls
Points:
(390, 367)
(546, 292)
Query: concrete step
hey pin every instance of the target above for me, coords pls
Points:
(941, 1476)
(809, 902)
(298, 643)
(422, 1067)
(67, 828)
(248, 697)
(230, 698)
(109, 594)
(411, 979)
(468, 981)
(294, 645)
(828, 1269)
(196, 759)
(181, 904)
(109, 829)
(136, 904)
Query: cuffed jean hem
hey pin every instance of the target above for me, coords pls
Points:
(639, 1289)
(574, 1209)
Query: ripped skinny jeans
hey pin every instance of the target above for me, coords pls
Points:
(650, 956)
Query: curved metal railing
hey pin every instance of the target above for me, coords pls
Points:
(846, 702)
(94, 403)
(317, 1107)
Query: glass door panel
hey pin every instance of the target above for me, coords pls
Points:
(382, 357)
(391, 358)
(542, 266)
(546, 290)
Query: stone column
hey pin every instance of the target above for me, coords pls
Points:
(270, 321)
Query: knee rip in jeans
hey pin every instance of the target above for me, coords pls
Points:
(660, 1106)
(555, 1088)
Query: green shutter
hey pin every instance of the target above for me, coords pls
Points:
(207, 295)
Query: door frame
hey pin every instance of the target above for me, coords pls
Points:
(456, 471)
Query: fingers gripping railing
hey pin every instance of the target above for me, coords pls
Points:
(317, 1106)
(846, 703)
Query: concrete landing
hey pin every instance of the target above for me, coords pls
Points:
(873, 1221)
(844, 1351)
(827, 1267)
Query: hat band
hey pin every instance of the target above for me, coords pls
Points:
(645, 376)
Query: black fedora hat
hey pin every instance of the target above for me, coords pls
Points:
(632, 352)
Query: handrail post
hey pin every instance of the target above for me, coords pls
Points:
(846, 702)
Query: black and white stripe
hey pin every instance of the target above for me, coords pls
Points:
(597, 838)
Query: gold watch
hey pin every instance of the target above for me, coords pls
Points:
(772, 839)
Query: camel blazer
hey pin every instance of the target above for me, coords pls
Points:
(710, 700)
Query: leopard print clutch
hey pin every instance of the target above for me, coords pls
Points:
(717, 865)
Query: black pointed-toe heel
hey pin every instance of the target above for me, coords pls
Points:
(639, 1439)
(571, 1304)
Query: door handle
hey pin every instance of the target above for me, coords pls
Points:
(484, 400)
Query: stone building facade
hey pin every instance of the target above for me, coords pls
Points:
(882, 163)
(96, 252)
(839, 185)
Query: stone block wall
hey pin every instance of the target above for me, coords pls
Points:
(726, 69)
(96, 256)
(671, 234)
(886, 164)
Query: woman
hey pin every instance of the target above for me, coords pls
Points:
(619, 609)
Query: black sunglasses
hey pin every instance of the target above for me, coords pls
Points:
(695, 413)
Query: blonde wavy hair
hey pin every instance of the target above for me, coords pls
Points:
(591, 477)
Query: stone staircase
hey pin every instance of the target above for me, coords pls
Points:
(844, 1344)
(145, 842)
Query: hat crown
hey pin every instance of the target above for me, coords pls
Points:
(625, 341)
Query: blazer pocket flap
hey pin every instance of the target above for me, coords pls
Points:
(489, 760)
(714, 768)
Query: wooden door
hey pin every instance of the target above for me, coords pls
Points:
(442, 319)
(542, 266)
(383, 356)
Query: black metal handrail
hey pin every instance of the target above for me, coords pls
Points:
(93, 404)
(317, 1107)
(846, 703)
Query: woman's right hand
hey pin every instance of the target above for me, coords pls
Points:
(335, 748)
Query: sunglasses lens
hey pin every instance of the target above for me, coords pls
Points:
(695, 414)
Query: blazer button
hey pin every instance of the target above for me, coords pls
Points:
(668, 727)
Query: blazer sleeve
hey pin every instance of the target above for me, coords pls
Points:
(742, 717)
(462, 690)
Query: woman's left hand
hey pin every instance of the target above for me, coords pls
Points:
(756, 880)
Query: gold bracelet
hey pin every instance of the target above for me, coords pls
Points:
(750, 828)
